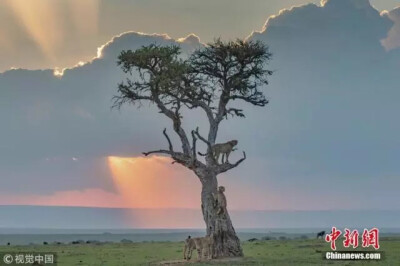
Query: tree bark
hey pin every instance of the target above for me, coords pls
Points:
(226, 242)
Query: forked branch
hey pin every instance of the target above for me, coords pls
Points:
(228, 166)
(189, 161)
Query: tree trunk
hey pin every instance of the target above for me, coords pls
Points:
(226, 242)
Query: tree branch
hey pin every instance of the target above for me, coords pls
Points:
(254, 99)
(194, 155)
(157, 151)
(207, 109)
(171, 148)
(228, 166)
(174, 116)
(212, 78)
(132, 92)
(190, 161)
(235, 111)
(178, 157)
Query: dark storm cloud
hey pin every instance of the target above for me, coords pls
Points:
(334, 102)
(47, 121)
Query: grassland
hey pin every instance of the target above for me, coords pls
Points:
(271, 252)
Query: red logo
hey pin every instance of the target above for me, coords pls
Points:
(369, 238)
(351, 238)
(332, 237)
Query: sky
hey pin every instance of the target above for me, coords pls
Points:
(47, 34)
(328, 140)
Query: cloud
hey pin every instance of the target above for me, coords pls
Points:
(46, 33)
(192, 39)
(332, 98)
(329, 131)
(335, 24)
(73, 107)
(135, 40)
(49, 34)
(48, 119)
(138, 181)
(393, 39)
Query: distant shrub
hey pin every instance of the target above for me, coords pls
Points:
(96, 242)
(265, 238)
(77, 242)
(303, 237)
(282, 238)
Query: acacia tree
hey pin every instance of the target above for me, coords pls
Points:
(212, 78)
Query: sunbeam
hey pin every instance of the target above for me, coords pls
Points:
(40, 20)
(154, 183)
(46, 21)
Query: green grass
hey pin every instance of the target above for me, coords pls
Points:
(272, 252)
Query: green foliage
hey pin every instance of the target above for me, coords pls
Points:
(209, 78)
(237, 69)
(161, 74)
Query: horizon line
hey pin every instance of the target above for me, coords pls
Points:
(194, 209)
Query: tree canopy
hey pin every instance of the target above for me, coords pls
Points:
(212, 78)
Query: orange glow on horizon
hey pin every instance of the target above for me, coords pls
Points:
(92, 197)
(154, 183)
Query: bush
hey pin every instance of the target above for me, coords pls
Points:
(265, 238)
(126, 241)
